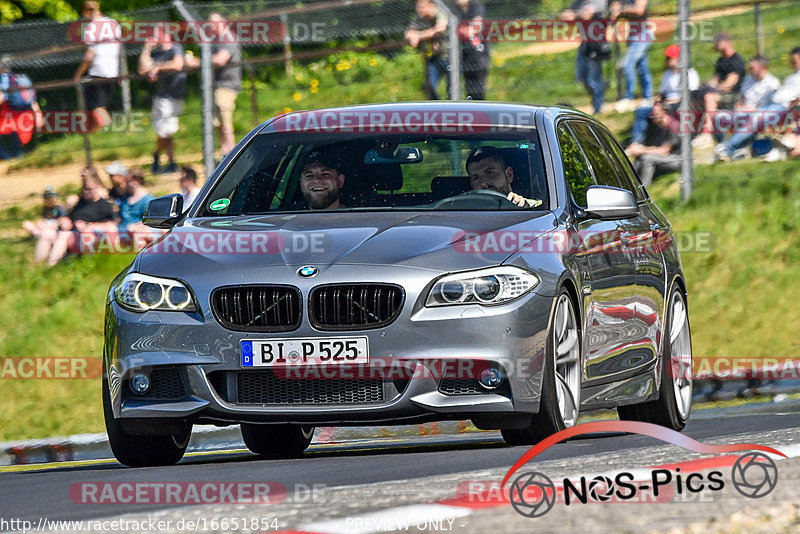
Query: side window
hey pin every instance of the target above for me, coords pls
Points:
(576, 171)
(623, 165)
(604, 173)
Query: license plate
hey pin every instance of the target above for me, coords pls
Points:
(307, 351)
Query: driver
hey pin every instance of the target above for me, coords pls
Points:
(321, 182)
(487, 170)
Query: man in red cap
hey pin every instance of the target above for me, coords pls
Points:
(669, 89)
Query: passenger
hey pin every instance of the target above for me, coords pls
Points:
(487, 169)
(321, 182)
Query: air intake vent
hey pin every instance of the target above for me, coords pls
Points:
(354, 306)
(257, 308)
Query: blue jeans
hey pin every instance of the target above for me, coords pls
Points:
(13, 148)
(635, 61)
(640, 120)
(755, 122)
(435, 68)
(589, 72)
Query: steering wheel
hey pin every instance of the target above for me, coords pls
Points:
(475, 195)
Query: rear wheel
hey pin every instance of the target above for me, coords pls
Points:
(277, 441)
(136, 450)
(561, 381)
(671, 409)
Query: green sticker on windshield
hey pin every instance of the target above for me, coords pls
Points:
(220, 204)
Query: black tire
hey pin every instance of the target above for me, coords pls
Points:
(277, 441)
(548, 421)
(662, 411)
(136, 450)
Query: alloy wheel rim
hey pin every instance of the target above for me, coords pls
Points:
(567, 361)
(680, 356)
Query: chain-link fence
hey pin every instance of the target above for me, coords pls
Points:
(335, 52)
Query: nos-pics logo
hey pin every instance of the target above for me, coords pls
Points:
(533, 494)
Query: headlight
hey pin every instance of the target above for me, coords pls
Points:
(140, 292)
(488, 286)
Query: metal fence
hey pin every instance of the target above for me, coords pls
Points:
(355, 51)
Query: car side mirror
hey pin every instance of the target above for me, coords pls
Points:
(163, 212)
(606, 202)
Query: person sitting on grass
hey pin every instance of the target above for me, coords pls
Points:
(52, 211)
(91, 217)
(660, 151)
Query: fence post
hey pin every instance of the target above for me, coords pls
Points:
(687, 168)
(87, 147)
(287, 46)
(253, 99)
(455, 50)
(759, 28)
(126, 84)
(207, 92)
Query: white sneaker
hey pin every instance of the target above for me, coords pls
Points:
(776, 154)
(704, 140)
(721, 152)
(741, 153)
(624, 105)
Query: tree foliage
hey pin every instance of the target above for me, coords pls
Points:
(14, 10)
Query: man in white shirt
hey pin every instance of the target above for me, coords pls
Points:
(759, 86)
(766, 97)
(101, 36)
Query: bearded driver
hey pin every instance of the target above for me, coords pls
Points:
(321, 182)
(487, 169)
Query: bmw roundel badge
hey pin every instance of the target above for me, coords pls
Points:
(307, 271)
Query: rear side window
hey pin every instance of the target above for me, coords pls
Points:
(623, 165)
(576, 170)
(604, 173)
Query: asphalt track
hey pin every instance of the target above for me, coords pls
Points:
(43, 491)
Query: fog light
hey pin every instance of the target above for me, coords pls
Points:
(491, 378)
(140, 384)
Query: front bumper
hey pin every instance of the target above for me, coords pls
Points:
(511, 335)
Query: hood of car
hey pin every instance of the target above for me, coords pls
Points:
(432, 240)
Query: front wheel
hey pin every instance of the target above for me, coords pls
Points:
(671, 409)
(277, 441)
(136, 450)
(561, 381)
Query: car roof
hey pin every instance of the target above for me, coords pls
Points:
(486, 110)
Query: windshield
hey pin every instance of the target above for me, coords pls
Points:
(280, 172)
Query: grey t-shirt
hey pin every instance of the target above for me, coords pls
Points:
(170, 84)
(229, 76)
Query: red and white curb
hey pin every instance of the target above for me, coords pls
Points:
(444, 513)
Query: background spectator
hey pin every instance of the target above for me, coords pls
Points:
(660, 151)
(52, 211)
(17, 97)
(722, 90)
(133, 207)
(163, 62)
(92, 214)
(474, 51)
(119, 182)
(227, 85)
(766, 101)
(669, 89)
(101, 61)
(591, 53)
(426, 33)
(635, 61)
(189, 189)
